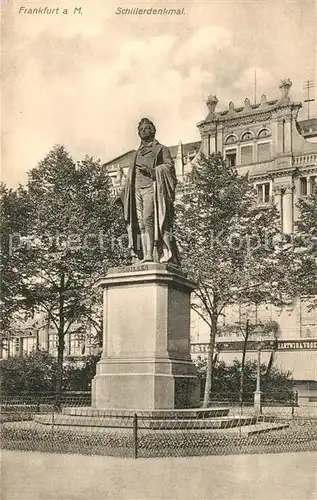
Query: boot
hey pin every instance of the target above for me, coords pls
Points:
(147, 247)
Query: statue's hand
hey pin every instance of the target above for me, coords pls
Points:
(147, 170)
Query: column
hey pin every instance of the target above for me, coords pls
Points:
(219, 140)
(274, 129)
(287, 135)
(296, 198)
(278, 201)
(287, 202)
(212, 144)
(280, 143)
(205, 144)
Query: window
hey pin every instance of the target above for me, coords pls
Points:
(246, 155)
(263, 193)
(231, 156)
(52, 343)
(313, 185)
(247, 136)
(308, 318)
(230, 139)
(264, 151)
(264, 133)
(303, 186)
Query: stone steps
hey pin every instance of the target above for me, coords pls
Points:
(226, 422)
(83, 421)
(199, 423)
(258, 428)
(245, 426)
(216, 419)
(190, 413)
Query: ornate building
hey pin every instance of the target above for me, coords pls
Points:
(279, 153)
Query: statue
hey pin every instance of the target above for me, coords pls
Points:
(148, 200)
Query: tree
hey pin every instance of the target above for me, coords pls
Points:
(304, 249)
(245, 332)
(277, 384)
(30, 374)
(70, 239)
(248, 331)
(13, 213)
(228, 244)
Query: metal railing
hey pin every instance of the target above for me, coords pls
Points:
(222, 429)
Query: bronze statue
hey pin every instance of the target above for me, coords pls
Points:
(148, 200)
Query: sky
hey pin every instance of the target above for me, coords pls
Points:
(85, 80)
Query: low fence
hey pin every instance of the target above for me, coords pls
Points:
(288, 401)
(71, 398)
(223, 429)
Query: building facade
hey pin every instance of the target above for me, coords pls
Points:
(279, 153)
(39, 333)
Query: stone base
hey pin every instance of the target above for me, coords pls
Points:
(146, 361)
(140, 384)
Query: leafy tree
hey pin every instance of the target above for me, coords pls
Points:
(69, 239)
(30, 374)
(13, 211)
(304, 249)
(275, 384)
(228, 244)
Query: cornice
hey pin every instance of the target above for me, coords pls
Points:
(306, 168)
(272, 174)
(233, 118)
(283, 172)
(244, 120)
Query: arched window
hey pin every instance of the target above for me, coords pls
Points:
(230, 139)
(247, 136)
(265, 132)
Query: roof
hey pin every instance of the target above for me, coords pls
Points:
(188, 148)
(125, 158)
(308, 128)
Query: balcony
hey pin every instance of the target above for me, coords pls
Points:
(302, 160)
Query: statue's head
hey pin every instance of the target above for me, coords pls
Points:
(146, 129)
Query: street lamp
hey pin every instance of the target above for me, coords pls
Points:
(258, 394)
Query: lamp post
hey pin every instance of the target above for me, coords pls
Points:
(258, 394)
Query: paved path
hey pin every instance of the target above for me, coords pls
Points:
(39, 476)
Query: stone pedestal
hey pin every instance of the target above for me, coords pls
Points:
(146, 361)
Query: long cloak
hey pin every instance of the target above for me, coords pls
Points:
(165, 248)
